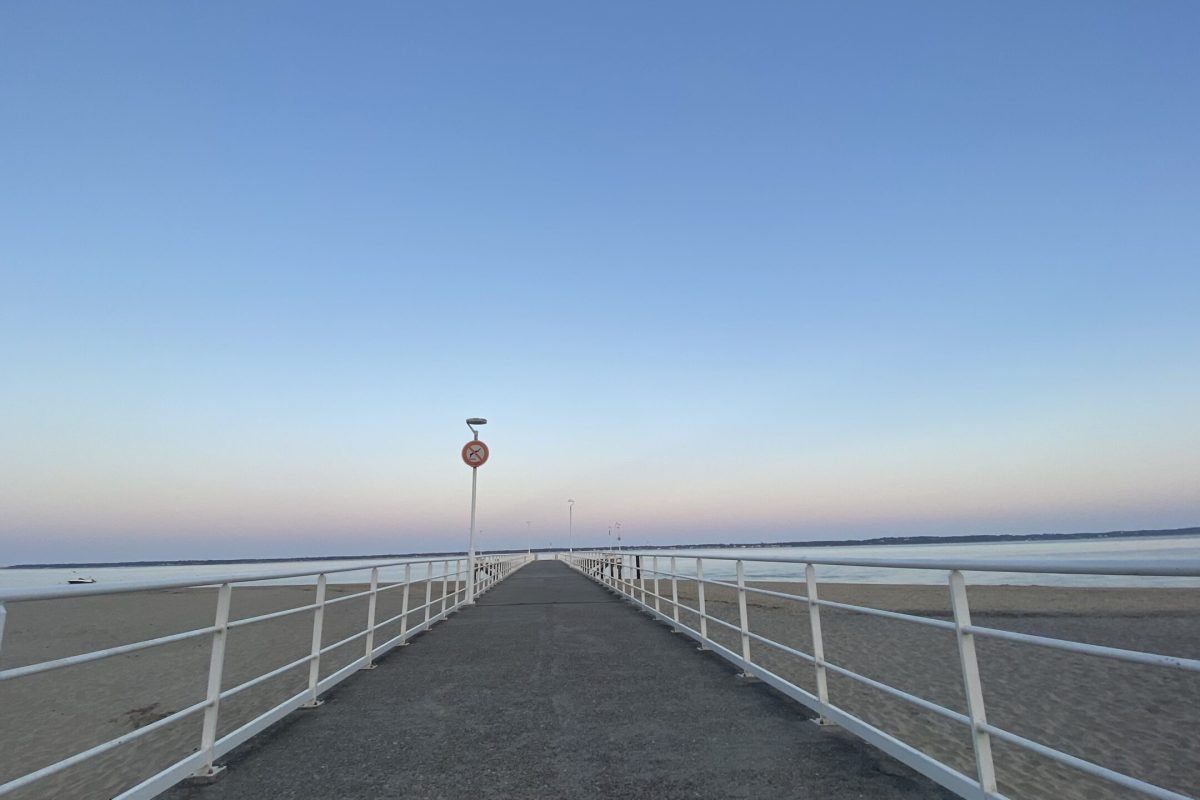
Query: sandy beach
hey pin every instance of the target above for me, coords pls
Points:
(1138, 720)
(48, 717)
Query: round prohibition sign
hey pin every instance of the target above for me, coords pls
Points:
(475, 454)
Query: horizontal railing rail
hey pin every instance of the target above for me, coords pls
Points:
(637, 576)
(488, 571)
(12, 595)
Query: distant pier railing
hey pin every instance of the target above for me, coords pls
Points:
(419, 575)
(644, 578)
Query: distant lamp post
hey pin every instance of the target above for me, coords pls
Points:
(475, 455)
(617, 525)
(528, 538)
(571, 525)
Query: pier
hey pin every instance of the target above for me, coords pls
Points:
(552, 687)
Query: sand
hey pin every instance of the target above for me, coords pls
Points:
(45, 718)
(1142, 721)
(1138, 720)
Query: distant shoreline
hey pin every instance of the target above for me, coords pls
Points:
(885, 540)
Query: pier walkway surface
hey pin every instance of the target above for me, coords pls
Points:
(551, 687)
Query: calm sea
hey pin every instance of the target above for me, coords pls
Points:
(1145, 548)
(1148, 548)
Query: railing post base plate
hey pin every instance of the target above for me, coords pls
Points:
(368, 666)
(823, 722)
(747, 677)
(312, 705)
(205, 776)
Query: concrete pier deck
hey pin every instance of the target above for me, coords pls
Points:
(551, 687)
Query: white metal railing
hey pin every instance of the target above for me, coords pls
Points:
(636, 576)
(489, 570)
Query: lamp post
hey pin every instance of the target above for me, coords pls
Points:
(471, 423)
(617, 525)
(528, 539)
(571, 525)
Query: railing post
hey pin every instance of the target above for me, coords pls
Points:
(445, 584)
(814, 618)
(3, 618)
(654, 569)
(216, 667)
(459, 574)
(641, 575)
(982, 741)
(675, 593)
(428, 591)
(700, 598)
(314, 664)
(404, 604)
(745, 618)
(371, 603)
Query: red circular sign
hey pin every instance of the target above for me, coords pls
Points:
(475, 454)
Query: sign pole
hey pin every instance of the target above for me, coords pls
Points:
(474, 455)
(471, 541)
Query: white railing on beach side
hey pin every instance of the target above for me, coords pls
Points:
(636, 576)
(201, 765)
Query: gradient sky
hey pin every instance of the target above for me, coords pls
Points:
(719, 271)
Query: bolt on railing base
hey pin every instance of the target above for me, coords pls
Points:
(205, 776)
(823, 722)
(312, 705)
(747, 677)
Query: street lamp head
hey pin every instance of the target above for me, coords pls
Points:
(476, 421)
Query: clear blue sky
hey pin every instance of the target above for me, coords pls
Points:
(719, 271)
